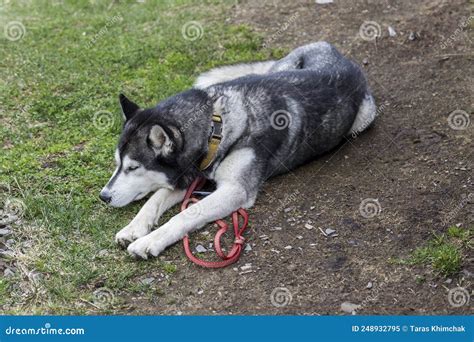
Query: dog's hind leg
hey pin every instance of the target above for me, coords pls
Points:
(231, 72)
(149, 215)
(231, 194)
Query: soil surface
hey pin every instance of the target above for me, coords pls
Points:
(412, 171)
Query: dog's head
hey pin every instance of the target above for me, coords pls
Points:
(144, 156)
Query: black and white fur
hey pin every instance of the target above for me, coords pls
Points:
(320, 95)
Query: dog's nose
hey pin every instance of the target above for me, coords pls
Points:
(106, 197)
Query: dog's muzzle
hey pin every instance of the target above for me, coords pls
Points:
(105, 196)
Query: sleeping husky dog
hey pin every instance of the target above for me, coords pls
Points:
(264, 119)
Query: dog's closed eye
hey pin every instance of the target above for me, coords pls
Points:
(132, 168)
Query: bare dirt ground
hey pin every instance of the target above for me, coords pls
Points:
(412, 164)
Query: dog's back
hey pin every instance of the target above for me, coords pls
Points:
(303, 107)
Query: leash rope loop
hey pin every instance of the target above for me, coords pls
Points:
(234, 253)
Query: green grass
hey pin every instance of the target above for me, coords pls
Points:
(55, 159)
(444, 253)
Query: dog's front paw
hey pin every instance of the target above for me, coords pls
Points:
(131, 233)
(150, 245)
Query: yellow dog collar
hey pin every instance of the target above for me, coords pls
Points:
(214, 141)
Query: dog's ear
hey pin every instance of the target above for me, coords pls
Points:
(129, 108)
(159, 141)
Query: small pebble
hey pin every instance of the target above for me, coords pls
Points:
(324, 2)
(5, 231)
(103, 252)
(245, 272)
(201, 249)
(8, 273)
(246, 267)
(35, 276)
(308, 226)
(148, 281)
(350, 307)
(299, 237)
(288, 247)
(329, 231)
(391, 31)
(248, 248)
(413, 36)
(369, 285)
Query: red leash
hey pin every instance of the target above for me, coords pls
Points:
(234, 253)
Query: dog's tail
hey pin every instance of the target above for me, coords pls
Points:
(365, 116)
(231, 72)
